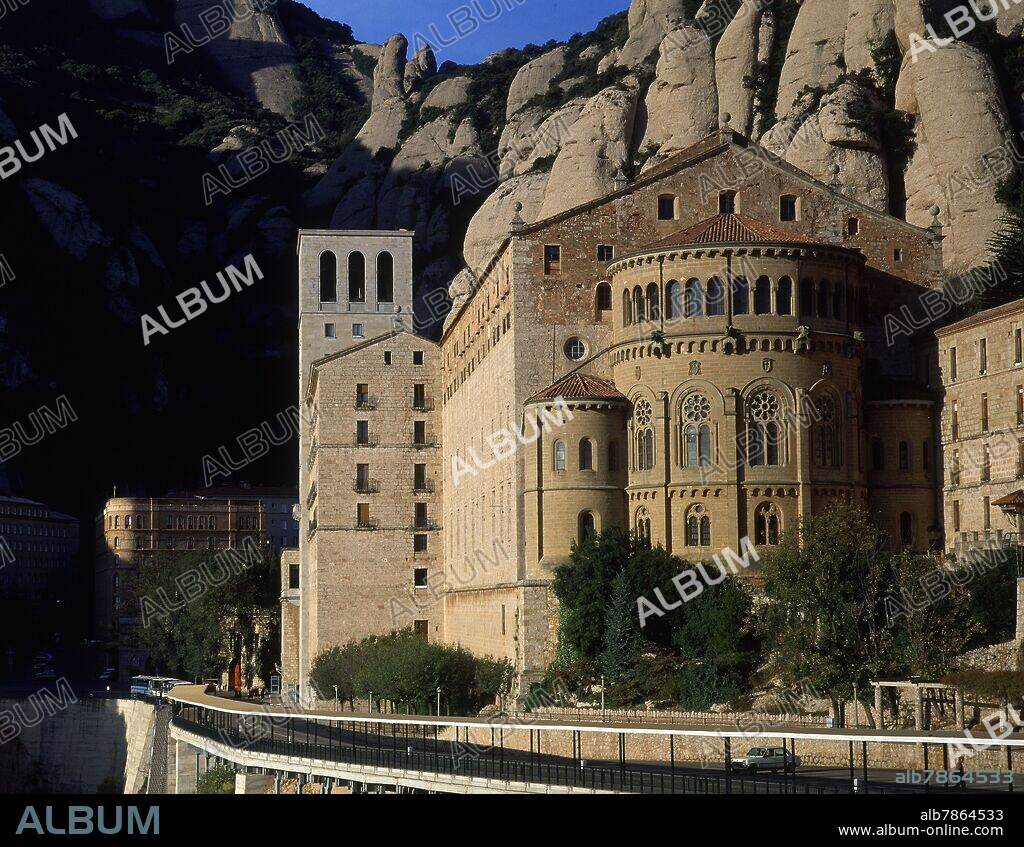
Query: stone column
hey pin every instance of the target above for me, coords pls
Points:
(185, 761)
(879, 715)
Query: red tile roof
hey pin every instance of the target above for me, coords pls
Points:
(732, 228)
(1015, 499)
(577, 386)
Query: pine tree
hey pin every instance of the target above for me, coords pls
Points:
(622, 636)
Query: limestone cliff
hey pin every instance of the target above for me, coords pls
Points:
(824, 83)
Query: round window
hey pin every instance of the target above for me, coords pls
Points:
(575, 349)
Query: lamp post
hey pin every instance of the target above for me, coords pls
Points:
(336, 698)
(439, 701)
(602, 696)
(369, 703)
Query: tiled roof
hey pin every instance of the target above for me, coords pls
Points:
(732, 228)
(577, 386)
(1015, 499)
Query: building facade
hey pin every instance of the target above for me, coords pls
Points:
(38, 546)
(698, 357)
(130, 530)
(981, 364)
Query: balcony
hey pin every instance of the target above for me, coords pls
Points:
(365, 404)
(428, 440)
(367, 524)
(311, 530)
(366, 486)
(369, 441)
(425, 526)
(424, 486)
(423, 404)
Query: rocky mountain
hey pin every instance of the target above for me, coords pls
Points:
(908, 117)
(170, 98)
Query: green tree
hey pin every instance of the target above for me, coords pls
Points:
(929, 639)
(404, 669)
(824, 619)
(622, 642)
(194, 606)
(217, 780)
(583, 587)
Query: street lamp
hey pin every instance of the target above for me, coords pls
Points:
(369, 703)
(439, 701)
(336, 698)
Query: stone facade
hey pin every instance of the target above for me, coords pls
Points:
(582, 382)
(373, 498)
(290, 575)
(981, 364)
(353, 286)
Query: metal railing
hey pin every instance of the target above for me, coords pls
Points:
(418, 749)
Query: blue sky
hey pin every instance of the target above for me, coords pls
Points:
(526, 21)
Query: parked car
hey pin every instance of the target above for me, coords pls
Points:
(771, 759)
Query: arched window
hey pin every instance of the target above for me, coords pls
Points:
(586, 455)
(824, 299)
(117, 542)
(694, 298)
(604, 297)
(906, 529)
(191, 544)
(674, 300)
(740, 296)
(763, 296)
(213, 522)
(559, 455)
(925, 457)
(806, 298)
(357, 278)
(767, 525)
(328, 277)
(653, 301)
(586, 527)
(638, 305)
(385, 278)
(644, 435)
(904, 456)
(643, 527)
(139, 522)
(627, 309)
(839, 302)
(784, 296)
(715, 297)
(765, 435)
(117, 522)
(698, 527)
(877, 456)
(825, 433)
(696, 416)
